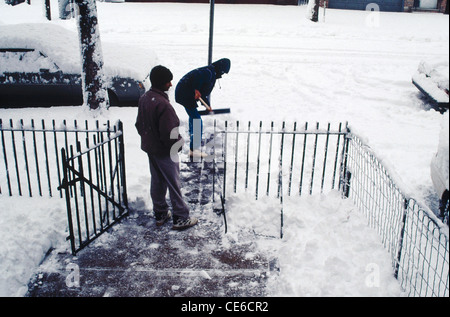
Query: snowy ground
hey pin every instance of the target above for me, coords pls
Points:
(351, 66)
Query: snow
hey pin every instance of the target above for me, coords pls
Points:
(284, 67)
(327, 248)
(440, 162)
(61, 45)
(433, 79)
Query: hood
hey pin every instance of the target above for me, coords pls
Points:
(222, 66)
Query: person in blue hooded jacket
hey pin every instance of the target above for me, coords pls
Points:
(197, 84)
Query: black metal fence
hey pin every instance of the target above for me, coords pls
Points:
(417, 242)
(282, 160)
(41, 159)
(94, 183)
(30, 157)
(256, 156)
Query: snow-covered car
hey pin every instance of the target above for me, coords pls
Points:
(440, 169)
(40, 65)
(432, 79)
(30, 78)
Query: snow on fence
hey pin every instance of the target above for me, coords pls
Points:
(417, 242)
(293, 159)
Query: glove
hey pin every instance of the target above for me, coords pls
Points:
(197, 94)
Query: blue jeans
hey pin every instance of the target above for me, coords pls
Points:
(195, 128)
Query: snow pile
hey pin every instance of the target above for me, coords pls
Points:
(440, 162)
(25, 62)
(327, 248)
(434, 79)
(437, 71)
(60, 44)
(31, 228)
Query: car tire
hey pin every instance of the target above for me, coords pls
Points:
(444, 206)
(113, 100)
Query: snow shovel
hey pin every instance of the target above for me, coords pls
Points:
(209, 111)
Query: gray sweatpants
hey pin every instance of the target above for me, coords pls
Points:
(165, 174)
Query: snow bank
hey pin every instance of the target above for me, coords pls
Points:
(438, 71)
(440, 162)
(434, 79)
(327, 248)
(29, 227)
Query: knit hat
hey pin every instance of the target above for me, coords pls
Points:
(222, 66)
(159, 76)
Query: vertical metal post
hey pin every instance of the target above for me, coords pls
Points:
(111, 177)
(402, 234)
(344, 179)
(5, 159)
(99, 180)
(55, 140)
(46, 158)
(123, 166)
(65, 186)
(236, 156)
(75, 195)
(336, 157)
(83, 190)
(211, 31)
(94, 223)
(270, 159)
(303, 160)
(224, 185)
(311, 184)
(280, 181)
(103, 173)
(38, 174)
(214, 163)
(248, 154)
(325, 158)
(257, 159)
(292, 158)
(26, 157)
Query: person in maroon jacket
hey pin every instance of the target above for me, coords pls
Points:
(157, 123)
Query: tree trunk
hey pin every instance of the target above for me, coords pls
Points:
(94, 90)
(48, 13)
(312, 11)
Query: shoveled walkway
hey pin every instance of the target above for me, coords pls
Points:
(138, 259)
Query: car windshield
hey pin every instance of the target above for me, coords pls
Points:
(24, 61)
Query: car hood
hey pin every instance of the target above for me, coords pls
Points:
(61, 45)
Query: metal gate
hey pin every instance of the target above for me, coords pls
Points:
(94, 183)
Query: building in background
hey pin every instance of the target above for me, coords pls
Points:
(383, 5)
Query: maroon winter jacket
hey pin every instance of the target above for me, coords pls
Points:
(155, 123)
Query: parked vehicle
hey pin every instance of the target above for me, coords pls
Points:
(40, 65)
(30, 78)
(440, 170)
(431, 78)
